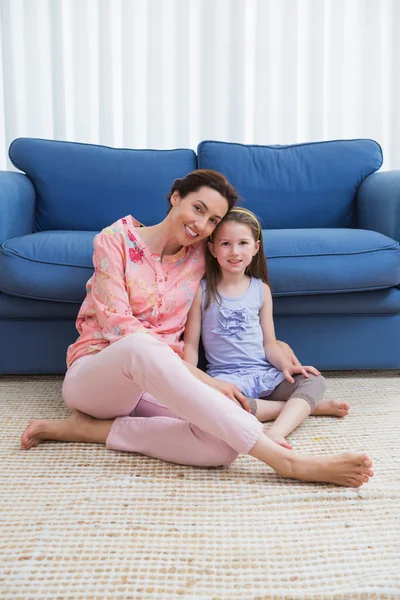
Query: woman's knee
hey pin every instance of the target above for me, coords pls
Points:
(226, 456)
(212, 452)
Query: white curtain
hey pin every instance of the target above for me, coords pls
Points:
(170, 73)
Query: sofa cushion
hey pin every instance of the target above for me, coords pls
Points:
(376, 302)
(14, 307)
(55, 265)
(304, 185)
(49, 265)
(329, 261)
(87, 187)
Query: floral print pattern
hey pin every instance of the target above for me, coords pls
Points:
(138, 293)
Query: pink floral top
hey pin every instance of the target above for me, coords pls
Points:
(133, 290)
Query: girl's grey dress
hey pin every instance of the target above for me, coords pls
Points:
(233, 342)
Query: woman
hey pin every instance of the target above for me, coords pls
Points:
(127, 385)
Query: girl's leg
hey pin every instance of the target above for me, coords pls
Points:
(303, 396)
(267, 410)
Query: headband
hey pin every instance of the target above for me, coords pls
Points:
(250, 214)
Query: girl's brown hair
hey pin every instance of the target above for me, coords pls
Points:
(204, 178)
(258, 266)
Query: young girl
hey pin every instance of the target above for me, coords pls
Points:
(232, 311)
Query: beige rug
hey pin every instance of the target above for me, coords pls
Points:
(78, 521)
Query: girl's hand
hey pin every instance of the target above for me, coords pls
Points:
(231, 391)
(291, 369)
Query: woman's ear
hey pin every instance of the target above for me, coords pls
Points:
(211, 249)
(175, 198)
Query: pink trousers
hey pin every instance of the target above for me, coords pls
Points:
(159, 408)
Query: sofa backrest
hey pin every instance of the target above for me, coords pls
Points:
(87, 187)
(299, 186)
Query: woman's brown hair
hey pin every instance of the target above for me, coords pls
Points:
(258, 266)
(204, 178)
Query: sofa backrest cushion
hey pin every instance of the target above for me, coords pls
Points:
(291, 187)
(87, 187)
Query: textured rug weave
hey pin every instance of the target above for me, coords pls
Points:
(78, 521)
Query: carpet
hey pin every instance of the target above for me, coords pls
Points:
(78, 521)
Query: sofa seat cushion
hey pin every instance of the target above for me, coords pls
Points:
(49, 265)
(330, 261)
(55, 265)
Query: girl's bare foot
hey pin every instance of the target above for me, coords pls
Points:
(333, 408)
(78, 427)
(349, 469)
(279, 439)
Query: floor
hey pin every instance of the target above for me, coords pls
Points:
(78, 521)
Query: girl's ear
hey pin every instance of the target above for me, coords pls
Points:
(211, 249)
(256, 247)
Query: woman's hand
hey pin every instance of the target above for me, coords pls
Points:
(228, 389)
(290, 355)
(231, 391)
(291, 369)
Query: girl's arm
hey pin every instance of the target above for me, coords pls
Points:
(274, 352)
(191, 336)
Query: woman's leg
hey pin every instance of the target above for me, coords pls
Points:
(177, 441)
(109, 386)
(111, 383)
(139, 362)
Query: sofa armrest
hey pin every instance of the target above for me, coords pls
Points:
(378, 203)
(17, 205)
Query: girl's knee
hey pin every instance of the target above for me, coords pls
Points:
(311, 388)
(319, 383)
(316, 386)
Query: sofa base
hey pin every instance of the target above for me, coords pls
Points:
(33, 347)
(343, 342)
(329, 342)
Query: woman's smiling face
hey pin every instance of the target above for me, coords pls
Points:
(195, 216)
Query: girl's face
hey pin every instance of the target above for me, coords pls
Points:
(195, 216)
(234, 247)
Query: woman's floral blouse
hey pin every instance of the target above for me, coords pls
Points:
(133, 290)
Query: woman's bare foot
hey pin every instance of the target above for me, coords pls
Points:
(279, 439)
(349, 469)
(78, 427)
(333, 408)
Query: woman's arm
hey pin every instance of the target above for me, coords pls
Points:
(273, 350)
(191, 336)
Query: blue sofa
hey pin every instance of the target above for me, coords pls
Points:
(332, 231)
